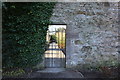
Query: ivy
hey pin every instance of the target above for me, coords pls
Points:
(24, 32)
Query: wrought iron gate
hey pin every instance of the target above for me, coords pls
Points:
(55, 54)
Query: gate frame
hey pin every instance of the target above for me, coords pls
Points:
(65, 40)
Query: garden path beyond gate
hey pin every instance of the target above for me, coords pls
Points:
(55, 54)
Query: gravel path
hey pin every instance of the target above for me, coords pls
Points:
(62, 74)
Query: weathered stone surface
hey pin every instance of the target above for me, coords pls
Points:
(86, 49)
(92, 31)
(78, 42)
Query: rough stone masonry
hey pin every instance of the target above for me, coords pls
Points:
(92, 32)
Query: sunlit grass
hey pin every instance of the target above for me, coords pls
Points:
(18, 72)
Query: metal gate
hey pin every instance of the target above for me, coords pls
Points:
(55, 53)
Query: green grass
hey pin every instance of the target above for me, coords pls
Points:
(14, 73)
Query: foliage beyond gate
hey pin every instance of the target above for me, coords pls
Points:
(24, 33)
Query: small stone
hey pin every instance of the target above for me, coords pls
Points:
(77, 42)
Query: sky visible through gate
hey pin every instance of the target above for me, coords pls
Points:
(53, 27)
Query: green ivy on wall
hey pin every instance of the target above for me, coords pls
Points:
(24, 32)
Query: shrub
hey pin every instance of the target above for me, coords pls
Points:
(24, 32)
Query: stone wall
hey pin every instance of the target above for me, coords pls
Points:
(92, 32)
